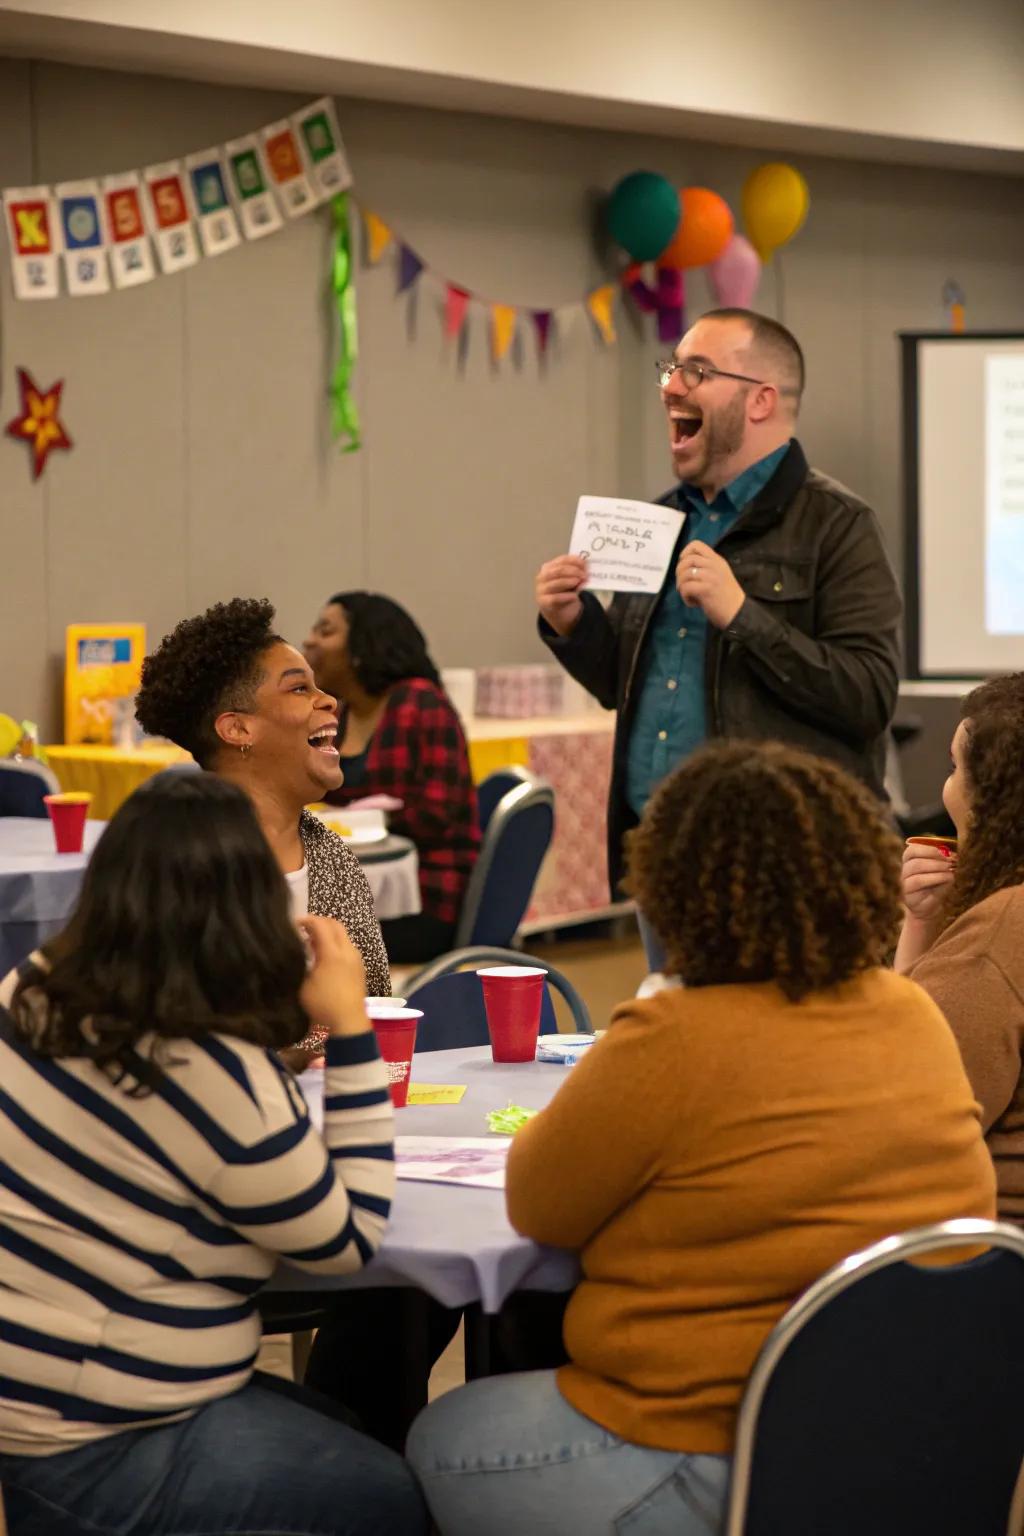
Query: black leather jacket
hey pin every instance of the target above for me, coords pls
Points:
(812, 657)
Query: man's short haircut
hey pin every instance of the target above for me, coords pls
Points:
(782, 354)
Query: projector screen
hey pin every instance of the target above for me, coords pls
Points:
(963, 404)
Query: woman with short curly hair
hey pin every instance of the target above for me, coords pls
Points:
(963, 934)
(722, 1146)
(226, 687)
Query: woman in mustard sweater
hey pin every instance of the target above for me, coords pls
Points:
(720, 1148)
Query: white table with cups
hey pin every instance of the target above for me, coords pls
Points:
(39, 886)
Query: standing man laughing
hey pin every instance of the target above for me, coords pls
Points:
(779, 615)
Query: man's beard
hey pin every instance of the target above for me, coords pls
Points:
(723, 433)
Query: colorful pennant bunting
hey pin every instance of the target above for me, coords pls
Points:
(455, 305)
(378, 237)
(409, 268)
(599, 304)
(503, 328)
(502, 318)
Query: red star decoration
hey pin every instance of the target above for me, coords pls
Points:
(39, 423)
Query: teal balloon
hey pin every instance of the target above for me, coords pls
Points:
(643, 214)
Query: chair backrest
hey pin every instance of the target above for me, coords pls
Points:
(888, 1399)
(495, 787)
(517, 838)
(452, 999)
(24, 781)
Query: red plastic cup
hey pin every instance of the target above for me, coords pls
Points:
(68, 813)
(395, 1029)
(512, 999)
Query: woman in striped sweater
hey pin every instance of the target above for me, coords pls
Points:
(155, 1163)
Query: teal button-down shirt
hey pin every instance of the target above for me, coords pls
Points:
(670, 720)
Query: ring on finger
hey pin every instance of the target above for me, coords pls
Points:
(694, 570)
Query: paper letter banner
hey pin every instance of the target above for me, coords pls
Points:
(84, 237)
(218, 227)
(318, 128)
(254, 201)
(33, 232)
(286, 169)
(131, 256)
(173, 234)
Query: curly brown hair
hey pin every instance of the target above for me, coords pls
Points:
(206, 665)
(992, 857)
(755, 862)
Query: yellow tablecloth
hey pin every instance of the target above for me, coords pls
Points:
(109, 774)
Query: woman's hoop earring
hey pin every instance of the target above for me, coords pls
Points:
(245, 748)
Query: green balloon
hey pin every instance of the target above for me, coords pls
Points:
(643, 214)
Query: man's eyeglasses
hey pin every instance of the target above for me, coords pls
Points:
(695, 373)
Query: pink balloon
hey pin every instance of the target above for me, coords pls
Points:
(735, 275)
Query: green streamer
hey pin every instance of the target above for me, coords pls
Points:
(344, 415)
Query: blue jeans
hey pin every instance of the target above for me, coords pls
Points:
(508, 1456)
(259, 1461)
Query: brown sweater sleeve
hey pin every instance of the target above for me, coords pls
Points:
(602, 1136)
(982, 1006)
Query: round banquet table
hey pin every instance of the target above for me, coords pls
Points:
(39, 887)
(454, 1241)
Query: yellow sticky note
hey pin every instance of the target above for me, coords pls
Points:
(436, 1093)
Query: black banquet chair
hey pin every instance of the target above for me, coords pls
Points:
(518, 836)
(492, 790)
(887, 1401)
(24, 784)
(452, 998)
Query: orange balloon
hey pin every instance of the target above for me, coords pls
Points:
(705, 229)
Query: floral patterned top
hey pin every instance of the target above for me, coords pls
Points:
(338, 889)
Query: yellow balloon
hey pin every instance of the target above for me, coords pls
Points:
(775, 203)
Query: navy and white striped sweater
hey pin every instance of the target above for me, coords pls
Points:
(135, 1232)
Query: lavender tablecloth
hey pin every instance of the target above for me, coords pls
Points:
(38, 887)
(453, 1242)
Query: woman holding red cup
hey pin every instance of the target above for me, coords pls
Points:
(963, 930)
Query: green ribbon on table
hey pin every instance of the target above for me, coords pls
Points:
(344, 415)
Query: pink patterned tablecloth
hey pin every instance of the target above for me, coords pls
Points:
(574, 876)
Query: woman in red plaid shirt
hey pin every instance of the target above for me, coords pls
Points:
(399, 735)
